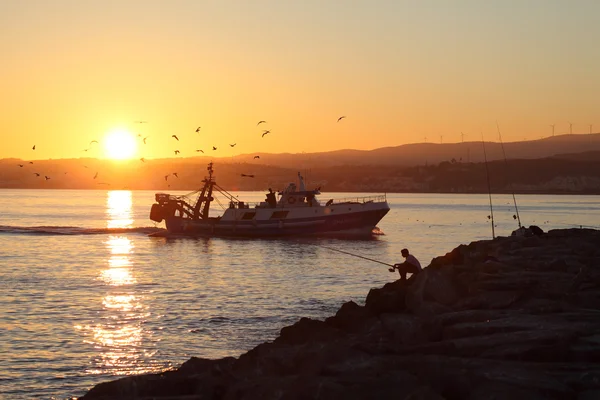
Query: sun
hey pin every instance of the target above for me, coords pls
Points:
(119, 144)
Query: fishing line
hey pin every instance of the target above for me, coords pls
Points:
(353, 255)
(487, 172)
(509, 181)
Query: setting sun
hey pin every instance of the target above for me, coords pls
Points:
(119, 144)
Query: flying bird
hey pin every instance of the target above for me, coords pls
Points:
(33, 148)
(175, 174)
(144, 139)
(166, 177)
(30, 162)
(175, 136)
(265, 132)
(198, 150)
(177, 152)
(95, 176)
(214, 148)
(93, 141)
(248, 175)
(255, 157)
(85, 150)
(46, 177)
(20, 165)
(198, 129)
(36, 174)
(233, 145)
(341, 118)
(142, 159)
(261, 122)
(140, 122)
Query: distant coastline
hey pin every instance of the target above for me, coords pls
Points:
(567, 164)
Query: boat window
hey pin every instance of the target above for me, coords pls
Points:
(279, 214)
(248, 215)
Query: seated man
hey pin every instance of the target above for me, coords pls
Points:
(410, 266)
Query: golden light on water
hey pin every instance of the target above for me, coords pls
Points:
(118, 272)
(118, 336)
(118, 209)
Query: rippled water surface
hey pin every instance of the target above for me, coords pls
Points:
(87, 296)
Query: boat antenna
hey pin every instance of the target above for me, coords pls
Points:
(509, 181)
(487, 172)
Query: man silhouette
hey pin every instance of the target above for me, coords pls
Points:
(410, 266)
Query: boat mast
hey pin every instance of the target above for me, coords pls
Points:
(203, 204)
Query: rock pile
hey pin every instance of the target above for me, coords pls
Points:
(513, 317)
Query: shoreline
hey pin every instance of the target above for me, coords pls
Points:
(510, 317)
(500, 192)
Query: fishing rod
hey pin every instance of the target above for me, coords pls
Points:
(487, 172)
(354, 255)
(509, 181)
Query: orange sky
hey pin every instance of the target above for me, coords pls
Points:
(73, 71)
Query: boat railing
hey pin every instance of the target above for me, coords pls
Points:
(346, 200)
(361, 199)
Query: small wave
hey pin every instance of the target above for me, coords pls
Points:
(74, 230)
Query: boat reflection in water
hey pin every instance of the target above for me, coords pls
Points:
(118, 334)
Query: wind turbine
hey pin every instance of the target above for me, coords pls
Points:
(441, 139)
(552, 129)
(570, 128)
(462, 137)
(591, 125)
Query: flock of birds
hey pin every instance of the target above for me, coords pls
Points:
(214, 148)
(46, 177)
(176, 151)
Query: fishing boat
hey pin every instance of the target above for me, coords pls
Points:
(297, 212)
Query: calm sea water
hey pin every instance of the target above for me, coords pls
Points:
(87, 296)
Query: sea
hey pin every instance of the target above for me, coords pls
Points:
(86, 295)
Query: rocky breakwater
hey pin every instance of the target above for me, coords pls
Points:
(513, 317)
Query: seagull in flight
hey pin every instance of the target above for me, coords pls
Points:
(199, 151)
(30, 162)
(142, 159)
(175, 136)
(144, 139)
(233, 145)
(261, 122)
(36, 174)
(46, 177)
(140, 122)
(175, 174)
(255, 157)
(177, 152)
(265, 132)
(198, 129)
(341, 118)
(166, 177)
(214, 148)
(20, 165)
(248, 175)
(95, 176)
(93, 141)
(33, 148)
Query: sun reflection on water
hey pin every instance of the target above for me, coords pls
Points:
(118, 209)
(122, 345)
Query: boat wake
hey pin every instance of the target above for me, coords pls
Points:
(74, 230)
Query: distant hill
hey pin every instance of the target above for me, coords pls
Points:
(561, 164)
(432, 153)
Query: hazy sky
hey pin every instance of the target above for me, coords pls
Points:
(71, 71)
